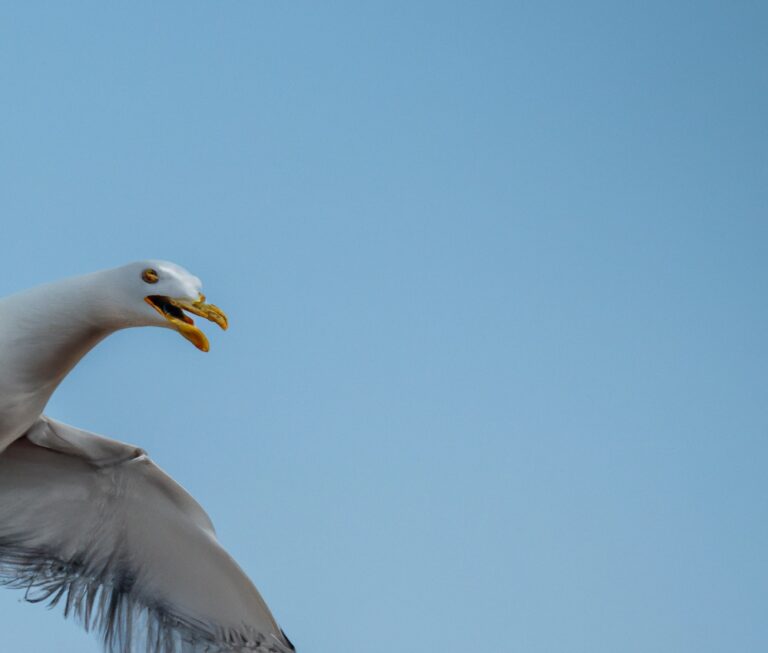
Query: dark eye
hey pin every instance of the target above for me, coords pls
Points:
(150, 276)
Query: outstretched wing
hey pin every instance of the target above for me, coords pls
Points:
(127, 552)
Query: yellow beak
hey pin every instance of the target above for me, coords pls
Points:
(173, 311)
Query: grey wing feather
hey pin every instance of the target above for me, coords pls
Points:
(128, 553)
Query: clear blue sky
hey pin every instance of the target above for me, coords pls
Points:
(496, 273)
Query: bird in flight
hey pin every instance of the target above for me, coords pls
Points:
(91, 524)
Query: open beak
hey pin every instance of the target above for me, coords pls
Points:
(173, 311)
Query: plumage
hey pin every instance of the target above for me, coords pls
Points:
(92, 524)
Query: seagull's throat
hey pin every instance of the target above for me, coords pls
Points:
(44, 333)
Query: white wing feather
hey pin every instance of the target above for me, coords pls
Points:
(128, 553)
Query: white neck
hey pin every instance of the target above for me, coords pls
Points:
(44, 332)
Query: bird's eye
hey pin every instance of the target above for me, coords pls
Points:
(150, 276)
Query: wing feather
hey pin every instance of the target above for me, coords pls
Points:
(127, 553)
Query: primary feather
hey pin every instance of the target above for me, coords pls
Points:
(127, 552)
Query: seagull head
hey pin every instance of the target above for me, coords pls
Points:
(164, 294)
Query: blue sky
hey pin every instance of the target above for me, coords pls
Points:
(496, 273)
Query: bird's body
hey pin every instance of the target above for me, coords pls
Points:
(93, 523)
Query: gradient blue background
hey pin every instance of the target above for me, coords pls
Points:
(496, 272)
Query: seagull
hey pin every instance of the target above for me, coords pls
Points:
(90, 523)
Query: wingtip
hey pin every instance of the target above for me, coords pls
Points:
(287, 641)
